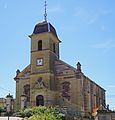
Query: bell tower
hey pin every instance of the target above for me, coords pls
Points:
(44, 47)
(44, 52)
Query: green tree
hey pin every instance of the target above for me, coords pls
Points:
(25, 112)
(46, 113)
(1, 110)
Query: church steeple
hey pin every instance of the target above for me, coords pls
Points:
(44, 26)
(44, 46)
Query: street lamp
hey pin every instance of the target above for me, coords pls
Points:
(8, 104)
(8, 110)
(8, 116)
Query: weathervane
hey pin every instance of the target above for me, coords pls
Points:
(45, 14)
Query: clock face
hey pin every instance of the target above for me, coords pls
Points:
(40, 61)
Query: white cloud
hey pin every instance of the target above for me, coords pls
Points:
(5, 6)
(105, 45)
(103, 28)
(87, 16)
(93, 19)
(55, 9)
(79, 12)
(106, 12)
(90, 16)
(111, 99)
(111, 86)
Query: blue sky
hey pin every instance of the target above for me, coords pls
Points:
(85, 27)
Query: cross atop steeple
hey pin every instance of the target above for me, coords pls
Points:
(45, 14)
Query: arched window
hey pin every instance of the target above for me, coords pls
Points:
(39, 45)
(66, 90)
(27, 91)
(54, 47)
(39, 100)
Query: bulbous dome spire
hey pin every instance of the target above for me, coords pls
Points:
(44, 27)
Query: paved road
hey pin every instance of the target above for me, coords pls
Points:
(11, 118)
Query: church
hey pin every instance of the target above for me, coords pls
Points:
(50, 81)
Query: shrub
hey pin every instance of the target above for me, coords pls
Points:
(46, 113)
(2, 109)
(25, 113)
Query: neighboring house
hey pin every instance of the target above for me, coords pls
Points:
(7, 104)
(105, 115)
(2, 102)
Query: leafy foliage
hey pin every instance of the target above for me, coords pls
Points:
(46, 113)
(2, 109)
(25, 113)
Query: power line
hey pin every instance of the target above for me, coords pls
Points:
(6, 90)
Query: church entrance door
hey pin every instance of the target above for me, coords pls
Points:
(39, 100)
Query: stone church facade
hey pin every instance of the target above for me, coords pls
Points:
(49, 81)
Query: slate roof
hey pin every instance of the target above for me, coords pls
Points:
(44, 27)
